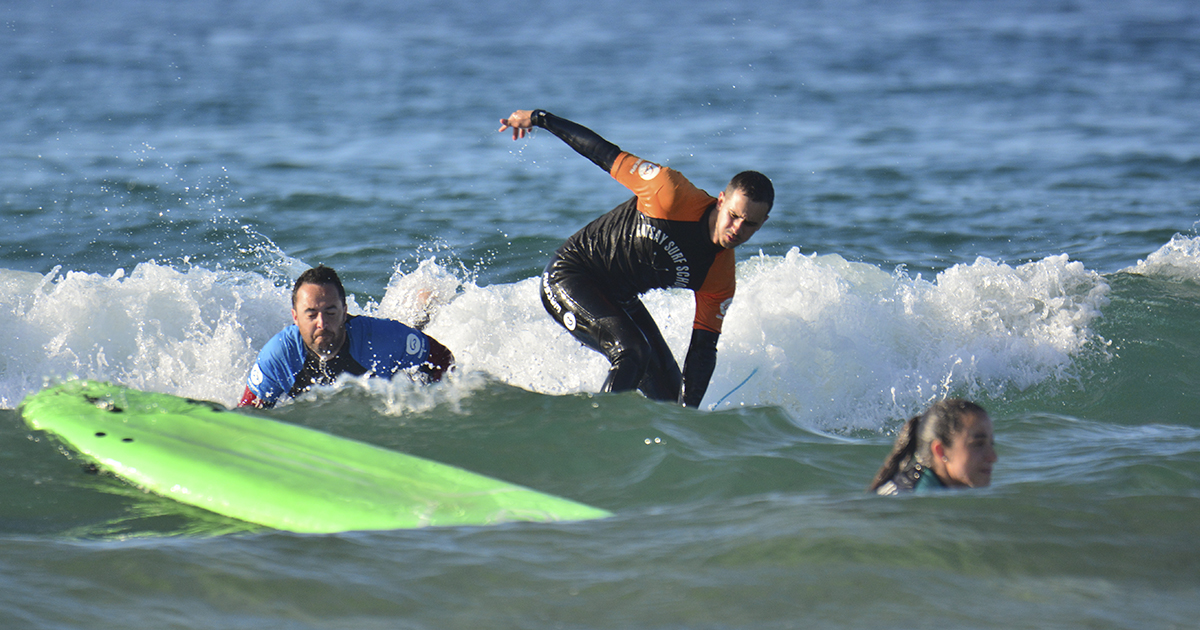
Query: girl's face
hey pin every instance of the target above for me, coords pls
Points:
(971, 453)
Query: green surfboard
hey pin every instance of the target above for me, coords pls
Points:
(273, 473)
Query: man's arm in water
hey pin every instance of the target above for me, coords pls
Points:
(698, 366)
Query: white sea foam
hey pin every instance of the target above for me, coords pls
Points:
(843, 344)
(157, 328)
(835, 343)
(1179, 259)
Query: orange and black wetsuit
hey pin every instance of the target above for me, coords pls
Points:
(658, 239)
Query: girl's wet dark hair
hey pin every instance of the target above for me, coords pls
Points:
(941, 421)
(319, 275)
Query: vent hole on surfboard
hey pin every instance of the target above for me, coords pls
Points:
(126, 439)
(100, 434)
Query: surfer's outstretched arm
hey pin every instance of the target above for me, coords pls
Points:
(588, 143)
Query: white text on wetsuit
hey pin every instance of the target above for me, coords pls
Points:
(683, 273)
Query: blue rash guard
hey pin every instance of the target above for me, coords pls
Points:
(380, 347)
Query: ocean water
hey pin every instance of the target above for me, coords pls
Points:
(997, 201)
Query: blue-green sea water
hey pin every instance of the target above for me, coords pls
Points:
(997, 201)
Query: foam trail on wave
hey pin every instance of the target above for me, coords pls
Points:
(1179, 259)
(846, 345)
(837, 344)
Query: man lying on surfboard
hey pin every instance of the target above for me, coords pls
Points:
(324, 342)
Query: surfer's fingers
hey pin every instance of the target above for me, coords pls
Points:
(508, 123)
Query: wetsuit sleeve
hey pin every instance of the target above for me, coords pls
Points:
(386, 346)
(714, 297)
(712, 300)
(586, 142)
(663, 193)
(275, 370)
(698, 366)
(439, 361)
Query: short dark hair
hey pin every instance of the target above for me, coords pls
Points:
(319, 275)
(756, 186)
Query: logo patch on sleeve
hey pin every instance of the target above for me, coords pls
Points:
(413, 344)
(647, 170)
(256, 376)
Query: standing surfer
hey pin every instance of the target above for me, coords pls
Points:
(670, 234)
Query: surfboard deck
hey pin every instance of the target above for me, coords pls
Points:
(274, 473)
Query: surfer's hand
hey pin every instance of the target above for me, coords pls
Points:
(520, 121)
